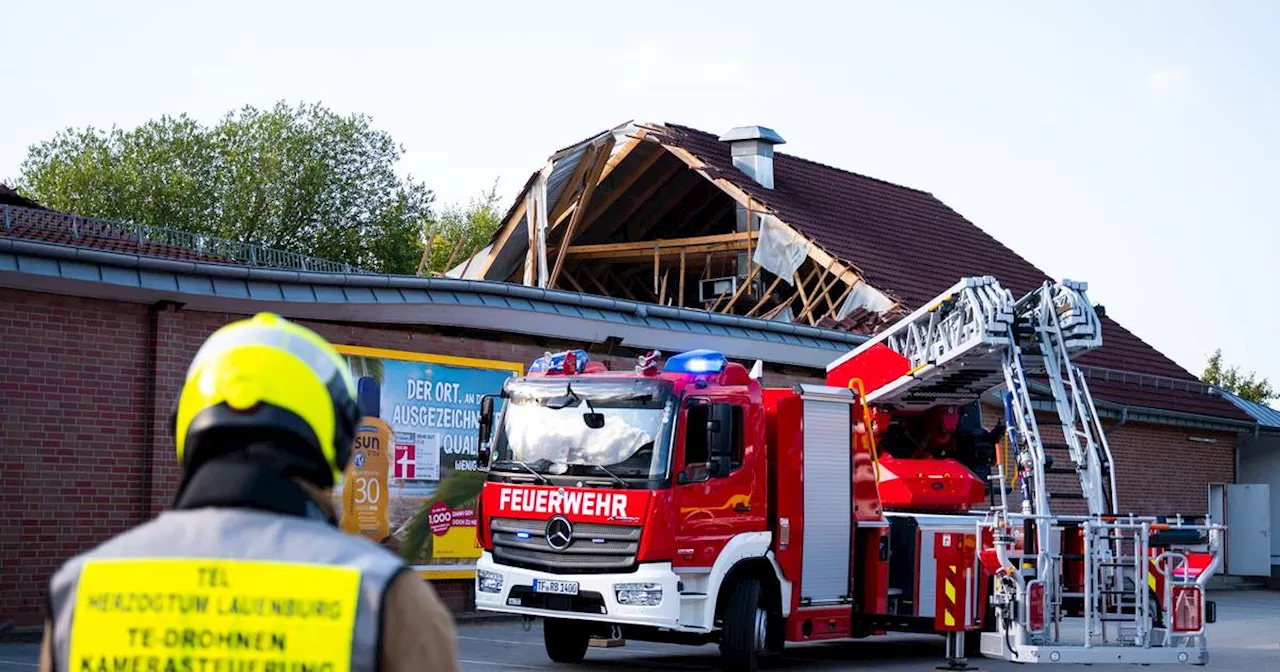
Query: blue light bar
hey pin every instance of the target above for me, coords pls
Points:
(555, 363)
(522, 535)
(696, 361)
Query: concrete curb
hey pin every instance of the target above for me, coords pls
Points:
(484, 617)
(28, 634)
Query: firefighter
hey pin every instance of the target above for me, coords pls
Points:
(249, 572)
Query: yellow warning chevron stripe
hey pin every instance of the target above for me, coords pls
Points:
(951, 591)
(948, 619)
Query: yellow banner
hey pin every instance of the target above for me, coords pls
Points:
(457, 542)
(188, 615)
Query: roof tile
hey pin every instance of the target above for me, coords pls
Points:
(912, 246)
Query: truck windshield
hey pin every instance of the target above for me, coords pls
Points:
(606, 428)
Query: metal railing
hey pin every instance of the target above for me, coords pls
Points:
(161, 241)
(1145, 380)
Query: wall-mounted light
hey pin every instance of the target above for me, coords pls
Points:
(1201, 439)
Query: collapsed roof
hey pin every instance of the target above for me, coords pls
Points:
(677, 216)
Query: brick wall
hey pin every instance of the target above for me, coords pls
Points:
(72, 435)
(84, 421)
(87, 388)
(1162, 471)
(1159, 470)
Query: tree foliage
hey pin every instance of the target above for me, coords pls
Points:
(1232, 380)
(459, 489)
(300, 178)
(461, 231)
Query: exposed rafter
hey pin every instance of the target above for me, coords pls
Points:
(646, 200)
(505, 233)
(629, 193)
(646, 249)
(615, 191)
(820, 256)
(590, 180)
(821, 293)
(835, 305)
(768, 293)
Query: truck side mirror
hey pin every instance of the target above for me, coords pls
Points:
(486, 418)
(694, 473)
(593, 420)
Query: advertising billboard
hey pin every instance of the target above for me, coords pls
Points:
(420, 423)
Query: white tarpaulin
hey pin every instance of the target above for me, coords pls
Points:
(780, 250)
(536, 212)
(470, 269)
(864, 296)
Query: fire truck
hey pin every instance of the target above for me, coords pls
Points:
(683, 501)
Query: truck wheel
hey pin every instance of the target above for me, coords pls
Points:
(776, 637)
(566, 640)
(745, 627)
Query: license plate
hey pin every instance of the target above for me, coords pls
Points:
(556, 587)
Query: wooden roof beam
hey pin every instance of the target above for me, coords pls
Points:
(504, 232)
(575, 185)
(629, 204)
(835, 306)
(698, 207)
(651, 215)
(615, 191)
(742, 288)
(591, 180)
(503, 236)
(821, 293)
(611, 163)
(781, 306)
(636, 203)
(646, 249)
(817, 254)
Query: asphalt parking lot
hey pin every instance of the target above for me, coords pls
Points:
(1246, 638)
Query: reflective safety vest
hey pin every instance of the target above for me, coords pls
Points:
(223, 590)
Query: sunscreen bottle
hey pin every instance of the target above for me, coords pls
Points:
(364, 489)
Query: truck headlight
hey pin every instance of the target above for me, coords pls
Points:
(638, 594)
(488, 582)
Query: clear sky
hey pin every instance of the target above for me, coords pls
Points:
(1135, 145)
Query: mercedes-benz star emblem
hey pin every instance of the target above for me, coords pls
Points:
(559, 533)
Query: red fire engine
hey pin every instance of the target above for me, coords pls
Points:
(684, 502)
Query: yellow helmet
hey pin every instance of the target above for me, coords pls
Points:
(268, 378)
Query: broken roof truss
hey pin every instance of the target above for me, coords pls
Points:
(630, 214)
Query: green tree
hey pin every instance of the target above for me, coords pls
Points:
(1232, 380)
(459, 232)
(299, 178)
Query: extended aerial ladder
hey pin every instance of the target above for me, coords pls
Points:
(967, 341)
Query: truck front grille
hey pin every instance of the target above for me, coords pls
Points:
(595, 548)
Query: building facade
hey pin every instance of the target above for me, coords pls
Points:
(98, 320)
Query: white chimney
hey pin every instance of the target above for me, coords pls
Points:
(752, 150)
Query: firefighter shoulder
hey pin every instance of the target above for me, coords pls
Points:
(248, 572)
